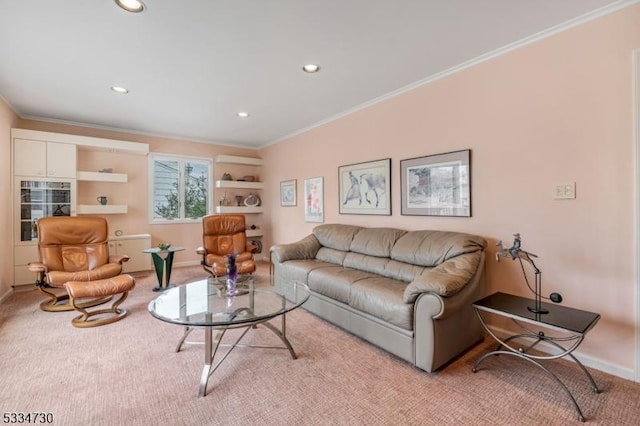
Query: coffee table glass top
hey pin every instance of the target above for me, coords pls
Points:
(204, 303)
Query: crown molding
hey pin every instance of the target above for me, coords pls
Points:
(595, 14)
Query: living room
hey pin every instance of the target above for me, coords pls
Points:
(554, 109)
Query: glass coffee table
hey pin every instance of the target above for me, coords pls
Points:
(204, 304)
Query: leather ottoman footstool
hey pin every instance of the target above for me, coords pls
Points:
(120, 284)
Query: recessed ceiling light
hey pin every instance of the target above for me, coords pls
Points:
(119, 89)
(135, 6)
(243, 114)
(311, 68)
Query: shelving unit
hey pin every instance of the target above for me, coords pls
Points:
(100, 209)
(234, 159)
(101, 177)
(241, 209)
(238, 184)
(252, 233)
(85, 176)
(241, 186)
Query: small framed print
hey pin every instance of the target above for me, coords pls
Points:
(365, 188)
(314, 200)
(437, 185)
(288, 193)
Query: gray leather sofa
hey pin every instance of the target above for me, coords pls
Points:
(408, 292)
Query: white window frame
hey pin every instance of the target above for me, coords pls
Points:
(153, 157)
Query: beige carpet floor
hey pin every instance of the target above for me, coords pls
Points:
(127, 373)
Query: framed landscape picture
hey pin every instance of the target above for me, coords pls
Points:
(437, 185)
(288, 193)
(313, 200)
(365, 188)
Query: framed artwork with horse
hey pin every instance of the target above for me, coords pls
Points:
(436, 185)
(365, 188)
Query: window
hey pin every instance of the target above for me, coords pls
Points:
(180, 188)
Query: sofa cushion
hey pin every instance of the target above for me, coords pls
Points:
(336, 236)
(330, 255)
(299, 270)
(375, 265)
(382, 298)
(431, 248)
(335, 282)
(376, 241)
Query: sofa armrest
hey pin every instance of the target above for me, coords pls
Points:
(446, 279)
(307, 248)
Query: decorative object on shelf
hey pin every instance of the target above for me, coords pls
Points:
(258, 245)
(102, 200)
(288, 193)
(314, 200)
(226, 176)
(252, 200)
(224, 201)
(253, 227)
(239, 200)
(119, 233)
(164, 246)
(436, 185)
(249, 178)
(232, 275)
(516, 252)
(107, 170)
(365, 188)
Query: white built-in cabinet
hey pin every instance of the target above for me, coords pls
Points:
(132, 246)
(44, 159)
(232, 164)
(44, 167)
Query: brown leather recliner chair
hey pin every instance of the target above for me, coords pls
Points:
(74, 250)
(222, 235)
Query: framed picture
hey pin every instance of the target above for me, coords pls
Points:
(288, 193)
(437, 185)
(365, 188)
(313, 200)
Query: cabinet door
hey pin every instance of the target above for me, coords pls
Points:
(29, 158)
(132, 247)
(61, 160)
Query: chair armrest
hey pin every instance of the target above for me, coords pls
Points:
(118, 258)
(446, 279)
(37, 267)
(307, 248)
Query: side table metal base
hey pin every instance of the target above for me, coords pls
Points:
(569, 327)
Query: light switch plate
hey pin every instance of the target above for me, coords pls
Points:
(564, 191)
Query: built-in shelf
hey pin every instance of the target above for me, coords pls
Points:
(241, 210)
(239, 184)
(100, 209)
(101, 177)
(254, 232)
(234, 159)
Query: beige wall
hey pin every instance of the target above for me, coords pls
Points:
(8, 119)
(134, 194)
(557, 110)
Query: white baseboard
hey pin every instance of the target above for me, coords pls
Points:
(588, 361)
(6, 295)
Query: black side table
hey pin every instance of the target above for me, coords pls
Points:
(568, 326)
(163, 265)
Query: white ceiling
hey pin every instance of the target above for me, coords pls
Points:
(191, 65)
